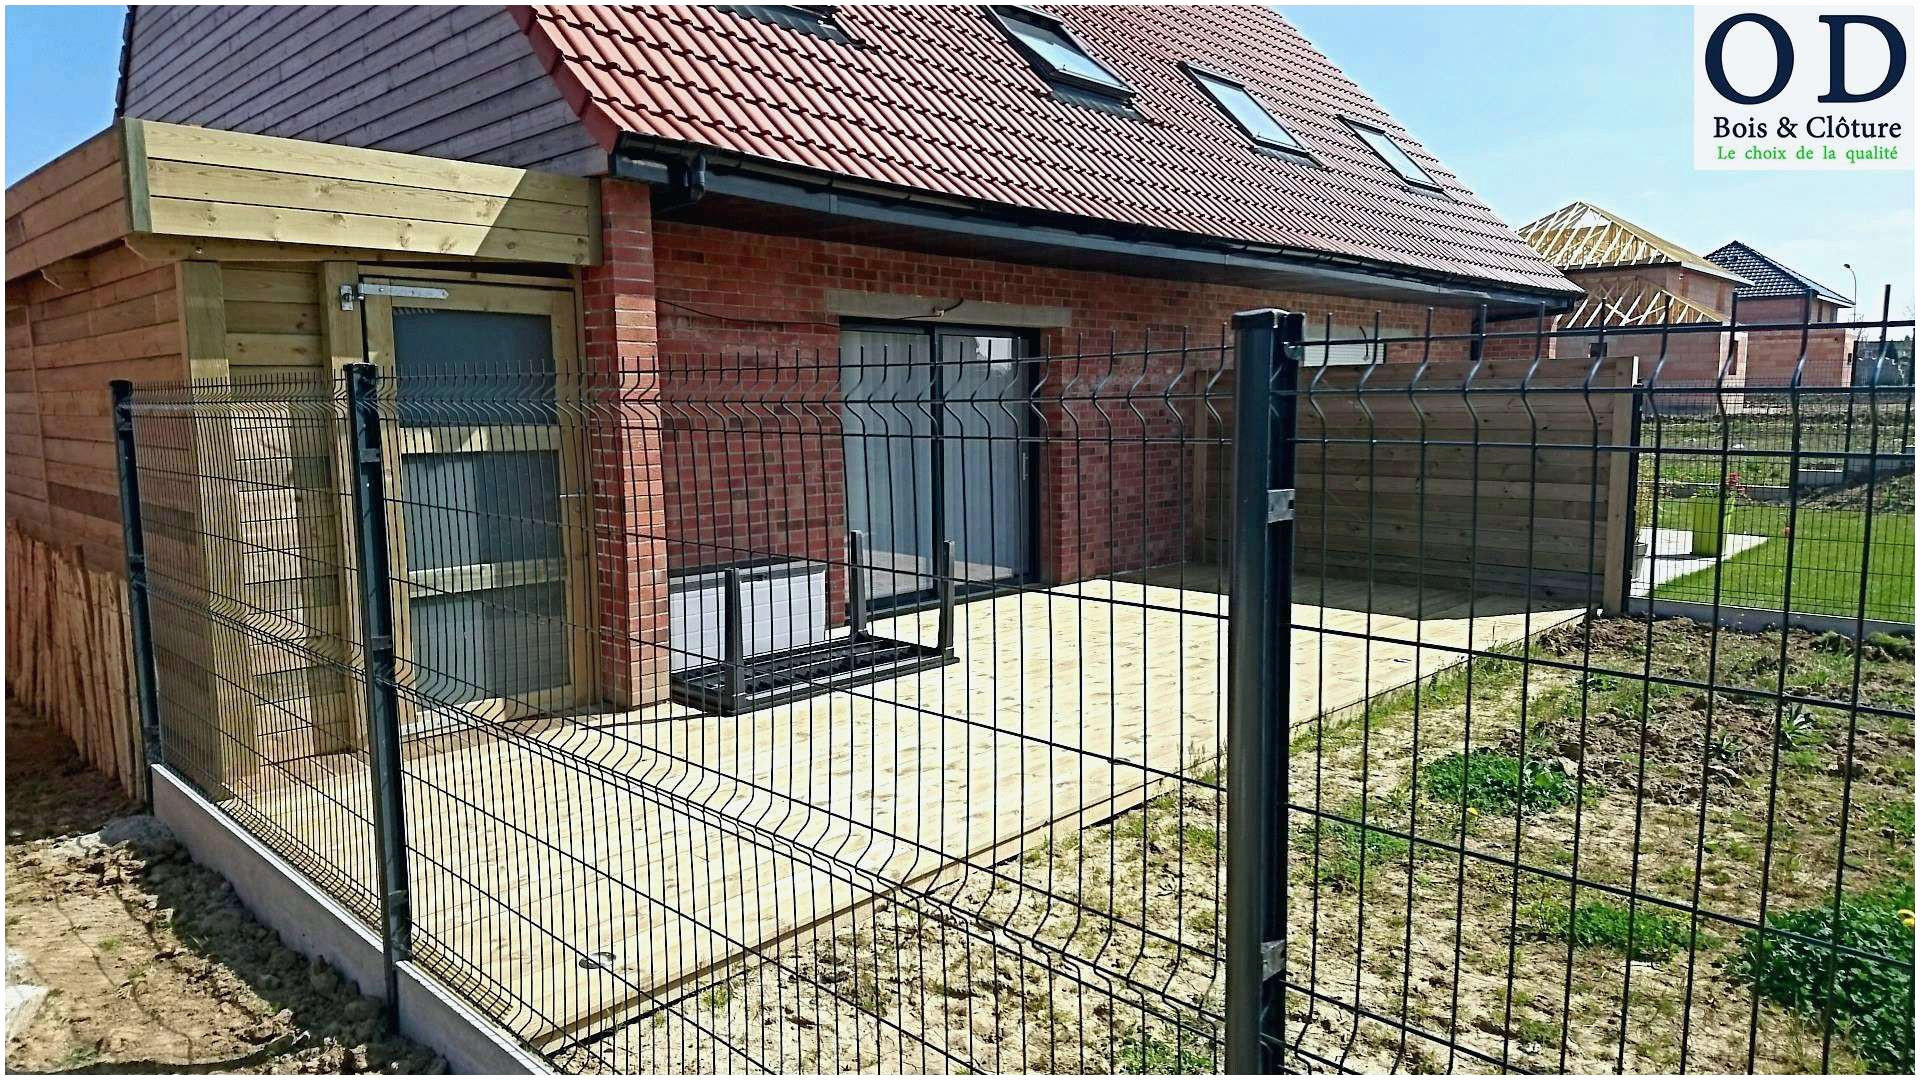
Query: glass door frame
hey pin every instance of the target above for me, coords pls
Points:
(1027, 358)
(559, 304)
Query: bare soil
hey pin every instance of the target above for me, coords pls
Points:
(1893, 493)
(150, 962)
(1711, 802)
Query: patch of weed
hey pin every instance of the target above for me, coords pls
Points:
(1539, 1032)
(1872, 994)
(1200, 839)
(1344, 847)
(1497, 783)
(1145, 1055)
(1654, 936)
(1798, 730)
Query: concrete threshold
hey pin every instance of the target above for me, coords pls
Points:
(316, 925)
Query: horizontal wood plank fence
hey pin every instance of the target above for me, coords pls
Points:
(1392, 486)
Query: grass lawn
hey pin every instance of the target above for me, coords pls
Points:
(1632, 789)
(1829, 548)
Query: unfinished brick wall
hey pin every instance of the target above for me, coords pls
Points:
(1683, 358)
(1772, 355)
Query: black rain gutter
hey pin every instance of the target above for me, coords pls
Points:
(667, 164)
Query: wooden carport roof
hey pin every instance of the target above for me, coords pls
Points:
(173, 191)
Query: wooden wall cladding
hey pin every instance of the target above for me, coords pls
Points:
(71, 329)
(74, 203)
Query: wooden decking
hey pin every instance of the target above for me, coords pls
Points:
(572, 874)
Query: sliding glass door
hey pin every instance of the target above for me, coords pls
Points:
(935, 423)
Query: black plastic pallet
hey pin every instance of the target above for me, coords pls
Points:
(803, 672)
(740, 683)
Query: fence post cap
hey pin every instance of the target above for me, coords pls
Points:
(1258, 318)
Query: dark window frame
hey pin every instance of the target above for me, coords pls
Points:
(1081, 88)
(1028, 355)
(1293, 151)
(1425, 181)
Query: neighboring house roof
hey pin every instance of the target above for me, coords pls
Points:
(1767, 277)
(937, 99)
(1647, 305)
(1582, 236)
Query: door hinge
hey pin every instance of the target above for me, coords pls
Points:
(375, 288)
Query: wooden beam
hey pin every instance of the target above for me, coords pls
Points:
(336, 228)
(175, 142)
(342, 342)
(224, 184)
(203, 323)
(218, 188)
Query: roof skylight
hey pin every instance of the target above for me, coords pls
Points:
(1393, 154)
(815, 19)
(1057, 53)
(1253, 117)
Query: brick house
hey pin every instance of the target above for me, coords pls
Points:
(807, 183)
(1776, 294)
(1635, 281)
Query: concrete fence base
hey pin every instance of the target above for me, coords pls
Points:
(315, 925)
(1750, 619)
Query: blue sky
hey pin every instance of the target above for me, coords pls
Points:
(1533, 107)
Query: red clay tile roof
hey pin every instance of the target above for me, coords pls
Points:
(936, 99)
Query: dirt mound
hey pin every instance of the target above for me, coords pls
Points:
(1890, 493)
(150, 962)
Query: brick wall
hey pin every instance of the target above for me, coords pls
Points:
(1772, 355)
(752, 453)
(620, 350)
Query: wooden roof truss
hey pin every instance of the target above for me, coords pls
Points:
(1581, 236)
(1648, 307)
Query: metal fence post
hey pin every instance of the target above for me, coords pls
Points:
(1260, 684)
(134, 537)
(383, 714)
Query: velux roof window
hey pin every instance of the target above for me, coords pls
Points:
(1393, 154)
(1058, 55)
(1253, 117)
(815, 19)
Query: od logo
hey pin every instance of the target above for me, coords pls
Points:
(1782, 87)
(1783, 55)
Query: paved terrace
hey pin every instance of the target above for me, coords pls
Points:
(572, 874)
